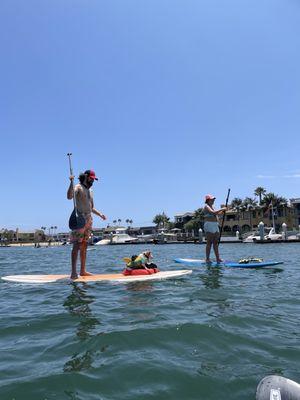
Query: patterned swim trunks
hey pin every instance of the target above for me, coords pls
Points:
(83, 234)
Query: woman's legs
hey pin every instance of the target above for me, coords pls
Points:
(209, 242)
(216, 247)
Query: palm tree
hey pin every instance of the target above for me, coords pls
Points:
(130, 221)
(161, 219)
(270, 202)
(119, 221)
(196, 222)
(43, 228)
(272, 198)
(236, 202)
(259, 192)
(127, 221)
(114, 221)
(249, 204)
(248, 201)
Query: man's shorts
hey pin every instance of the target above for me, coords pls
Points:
(83, 234)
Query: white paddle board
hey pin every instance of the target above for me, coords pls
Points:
(97, 277)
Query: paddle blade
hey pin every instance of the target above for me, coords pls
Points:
(76, 221)
(127, 259)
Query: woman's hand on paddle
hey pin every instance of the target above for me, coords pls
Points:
(102, 216)
(71, 177)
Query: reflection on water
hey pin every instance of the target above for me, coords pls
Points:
(139, 299)
(79, 362)
(275, 270)
(140, 286)
(78, 304)
(71, 395)
(211, 279)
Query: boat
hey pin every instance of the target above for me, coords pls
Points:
(270, 234)
(118, 236)
(145, 238)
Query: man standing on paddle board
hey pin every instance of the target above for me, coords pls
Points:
(85, 207)
(211, 227)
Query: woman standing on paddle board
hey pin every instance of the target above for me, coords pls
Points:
(211, 227)
(85, 208)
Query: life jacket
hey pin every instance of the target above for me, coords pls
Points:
(140, 271)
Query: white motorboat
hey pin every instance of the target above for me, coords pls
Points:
(119, 236)
(145, 238)
(270, 234)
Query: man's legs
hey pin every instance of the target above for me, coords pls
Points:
(83, 248)
(74, 256)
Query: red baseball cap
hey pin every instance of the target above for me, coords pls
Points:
(209, 197)
(91, 174)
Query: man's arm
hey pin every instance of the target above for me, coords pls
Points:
(70, 193)
(96, 212)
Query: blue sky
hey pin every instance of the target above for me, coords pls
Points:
(165, 100)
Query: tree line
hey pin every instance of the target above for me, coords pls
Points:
(261, 198)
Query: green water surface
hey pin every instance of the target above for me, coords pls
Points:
(211, 335)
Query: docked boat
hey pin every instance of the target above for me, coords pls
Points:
(270, 234)
(146, 238)
(119, 236)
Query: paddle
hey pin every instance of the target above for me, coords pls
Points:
(76, 221)
(226, 204)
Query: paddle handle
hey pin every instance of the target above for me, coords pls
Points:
(72, 180)
(226, 204)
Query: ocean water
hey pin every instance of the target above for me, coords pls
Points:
(211, 335)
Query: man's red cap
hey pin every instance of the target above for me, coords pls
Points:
(91, 174)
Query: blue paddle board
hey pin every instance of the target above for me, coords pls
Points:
(200, 263)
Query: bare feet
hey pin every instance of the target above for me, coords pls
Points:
(85, 273)
(219, 261)
(74, 276)
(208, 261)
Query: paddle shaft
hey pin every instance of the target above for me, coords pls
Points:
(72, 181)
(226, 204)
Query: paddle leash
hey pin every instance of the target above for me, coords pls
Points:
(76, 221)
(223, 220)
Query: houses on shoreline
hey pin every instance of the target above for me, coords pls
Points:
(186, 224)
(246, 219)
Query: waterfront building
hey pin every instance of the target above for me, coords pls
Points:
(246, 220)
(29, 236)
(181, 219)
(296, 205)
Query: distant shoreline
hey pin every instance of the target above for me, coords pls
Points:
(30, 244)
